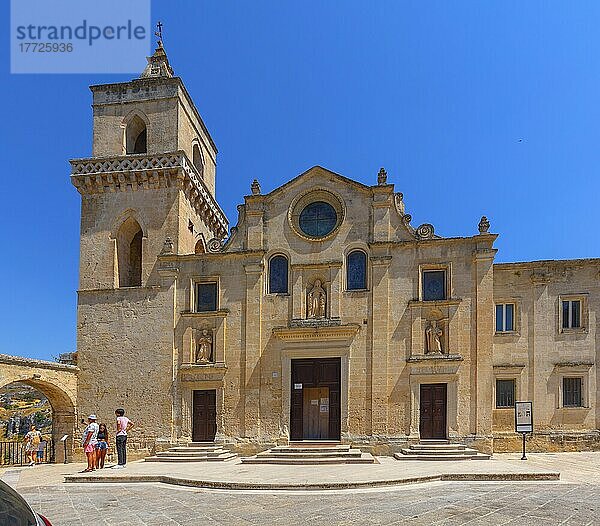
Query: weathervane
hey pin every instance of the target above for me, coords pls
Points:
(158, 33)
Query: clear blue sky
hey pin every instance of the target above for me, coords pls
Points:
(472, 107)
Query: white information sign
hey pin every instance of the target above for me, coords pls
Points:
(297, 386)
(523, 417)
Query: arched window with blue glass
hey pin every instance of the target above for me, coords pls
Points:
(278, 275)
(356, 270)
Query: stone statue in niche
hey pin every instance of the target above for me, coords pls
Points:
(204, 346)
(316, 301)
(434, 337)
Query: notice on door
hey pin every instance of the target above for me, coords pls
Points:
(314, 402)
(324, 409)
(297, 386)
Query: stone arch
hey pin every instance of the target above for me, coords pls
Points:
(136, 132)
(55, 381)
(200, 247)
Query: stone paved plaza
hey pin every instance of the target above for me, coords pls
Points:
(543, 503)
(573, 500)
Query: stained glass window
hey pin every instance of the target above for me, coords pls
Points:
(318, 219)
(278, 275)
(434, 285)
(206, 297)
(356, 268)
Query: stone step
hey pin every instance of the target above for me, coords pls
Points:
(196, 449)
(315, 443)
(364, 458)
(411, 451)
(436, 447)
(214, 453)
(409, 455)
(221, 457)
(312, 454)
(431, 457)
(298, 449)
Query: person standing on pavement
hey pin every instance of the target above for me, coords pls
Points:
(32, 441)
(88, 441)
(123, 426)
(101, 446)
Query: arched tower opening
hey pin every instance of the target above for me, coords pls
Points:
(129, 253)
(197, 160)
(136, 136)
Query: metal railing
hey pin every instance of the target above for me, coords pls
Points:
(12, 453)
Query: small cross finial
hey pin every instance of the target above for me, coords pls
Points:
(158, 33)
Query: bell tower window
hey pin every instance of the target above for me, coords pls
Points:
(129, 254)
(136, 136)
(197, 160)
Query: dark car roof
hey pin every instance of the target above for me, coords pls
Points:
(14, 510)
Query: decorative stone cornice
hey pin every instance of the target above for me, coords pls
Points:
(435, 357)
(129, 173)
(451, 302)
(222, 313)
(574, 365)
(339, 332)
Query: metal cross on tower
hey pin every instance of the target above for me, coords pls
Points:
(158, 33)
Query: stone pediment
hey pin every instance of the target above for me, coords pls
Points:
(318, 172)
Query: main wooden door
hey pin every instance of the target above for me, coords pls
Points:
(204, 420)
(315, 418)
(433, 411)
(315, 399)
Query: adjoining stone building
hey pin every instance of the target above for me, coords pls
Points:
(323, 314)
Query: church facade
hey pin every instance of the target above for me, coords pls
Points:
(323, 314)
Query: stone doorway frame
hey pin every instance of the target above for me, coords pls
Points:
(314, 350)
(451, 381)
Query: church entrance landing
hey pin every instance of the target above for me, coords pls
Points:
(315, 399)
(432, 423)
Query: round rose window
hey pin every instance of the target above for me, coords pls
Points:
(318, 219)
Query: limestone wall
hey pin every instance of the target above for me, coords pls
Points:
(540, 353)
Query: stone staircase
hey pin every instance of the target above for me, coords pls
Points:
(315, 453)
(439, 450)
(193, 452)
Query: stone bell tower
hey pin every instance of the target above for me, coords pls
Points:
(151, 177)
(149, 188)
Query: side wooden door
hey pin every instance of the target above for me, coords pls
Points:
(204, 420)
(432, 409)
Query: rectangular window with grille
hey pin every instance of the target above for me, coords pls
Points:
(571, 314)
(434, 285)
(505, 393)
(572, 392)
(505, 317)
(206, 297)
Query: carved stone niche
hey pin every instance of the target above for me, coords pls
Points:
(435, 332)
(316, 300)
(203, 351)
